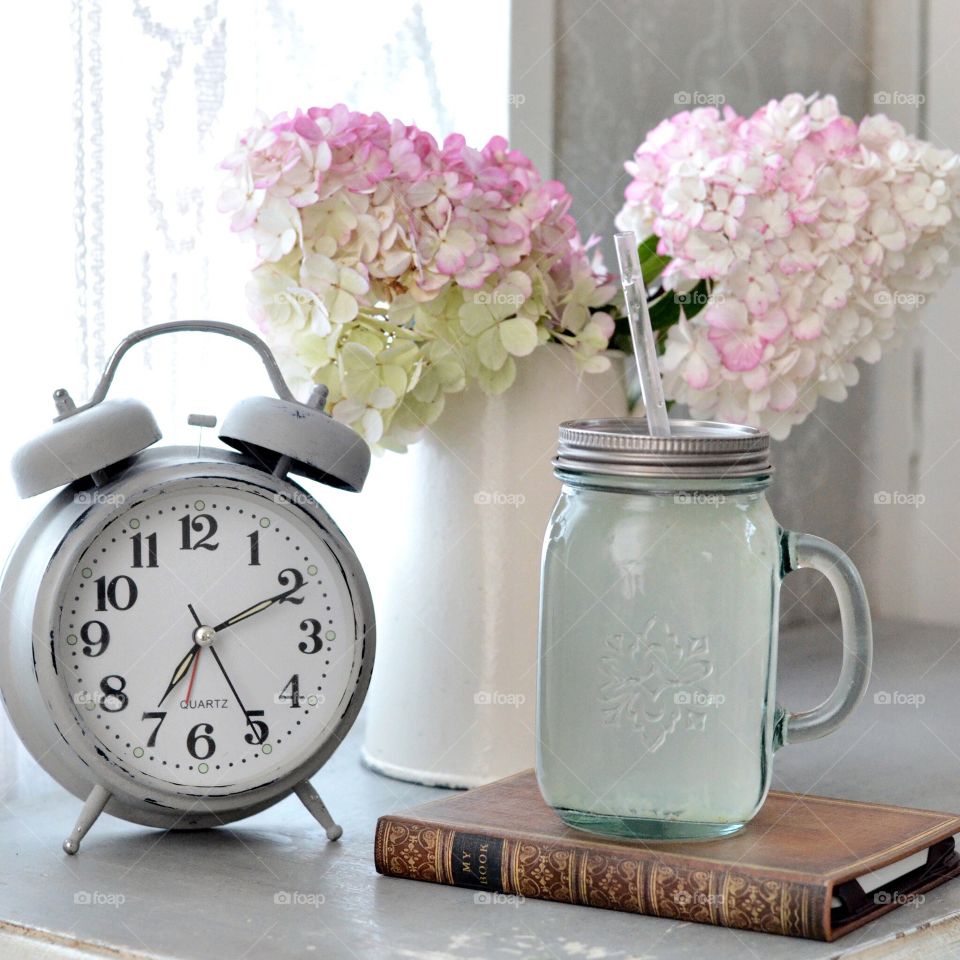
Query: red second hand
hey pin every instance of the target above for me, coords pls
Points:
(193, 673)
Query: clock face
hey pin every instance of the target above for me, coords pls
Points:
(207, 638)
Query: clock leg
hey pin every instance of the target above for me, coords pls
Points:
(92, 808)
(311, 800)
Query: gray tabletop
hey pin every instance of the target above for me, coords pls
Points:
(273, 887)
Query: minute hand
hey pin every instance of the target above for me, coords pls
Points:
(285, 596)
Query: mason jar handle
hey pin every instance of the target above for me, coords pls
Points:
(800, 550)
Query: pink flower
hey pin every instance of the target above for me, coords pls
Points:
(379, 235)
(735, 173)
(455, 247)
(806, 228)
(800, 175)
(837, 138)
(740, 339)
(690, 353)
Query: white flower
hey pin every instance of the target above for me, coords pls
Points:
(276, 229)
(336, 285)
(690, 355)
(277, 298)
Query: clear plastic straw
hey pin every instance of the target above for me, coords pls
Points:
(641, 332)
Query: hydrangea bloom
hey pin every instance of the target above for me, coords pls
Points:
(808, 240)
(395, 270)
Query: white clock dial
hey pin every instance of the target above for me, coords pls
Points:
(207, 637)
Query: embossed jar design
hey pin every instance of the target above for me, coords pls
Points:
(658, 630)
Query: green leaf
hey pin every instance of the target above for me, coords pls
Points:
(621, 339)
(664, 311)
(648, 247)
(651, 262)
(694, 300)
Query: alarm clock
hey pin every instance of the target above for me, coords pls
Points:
(185, 634)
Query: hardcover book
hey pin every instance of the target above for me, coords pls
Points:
(804, 866)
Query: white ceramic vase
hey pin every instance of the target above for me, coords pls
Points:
(452, 701)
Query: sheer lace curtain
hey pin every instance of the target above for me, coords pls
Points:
(117, 115)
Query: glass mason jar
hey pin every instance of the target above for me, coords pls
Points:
(658, 630)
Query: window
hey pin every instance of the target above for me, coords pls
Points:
(113, 195)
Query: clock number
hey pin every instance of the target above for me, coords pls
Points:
(259, 731)
(254, 539)
(294, 696)
(200, 735)
(203, 524)
(312, 628)
(159, 716)
(94, 646)
(113, 693)
(108, 593)
(151, 540)
(287, 576)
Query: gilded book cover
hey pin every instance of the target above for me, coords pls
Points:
(800, 868)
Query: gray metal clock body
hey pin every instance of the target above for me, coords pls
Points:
(49, 722)
(103, 450)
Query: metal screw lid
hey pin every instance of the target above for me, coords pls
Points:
(696, 449)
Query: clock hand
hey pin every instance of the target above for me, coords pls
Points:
(256, 733)
(190, 660)
(196, 659)
(285, 596)
(182, 667)
(226, 676)
(243, 614)
(193, 674)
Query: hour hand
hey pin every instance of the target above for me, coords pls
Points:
(182, 668)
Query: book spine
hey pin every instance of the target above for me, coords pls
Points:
(599, 877)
